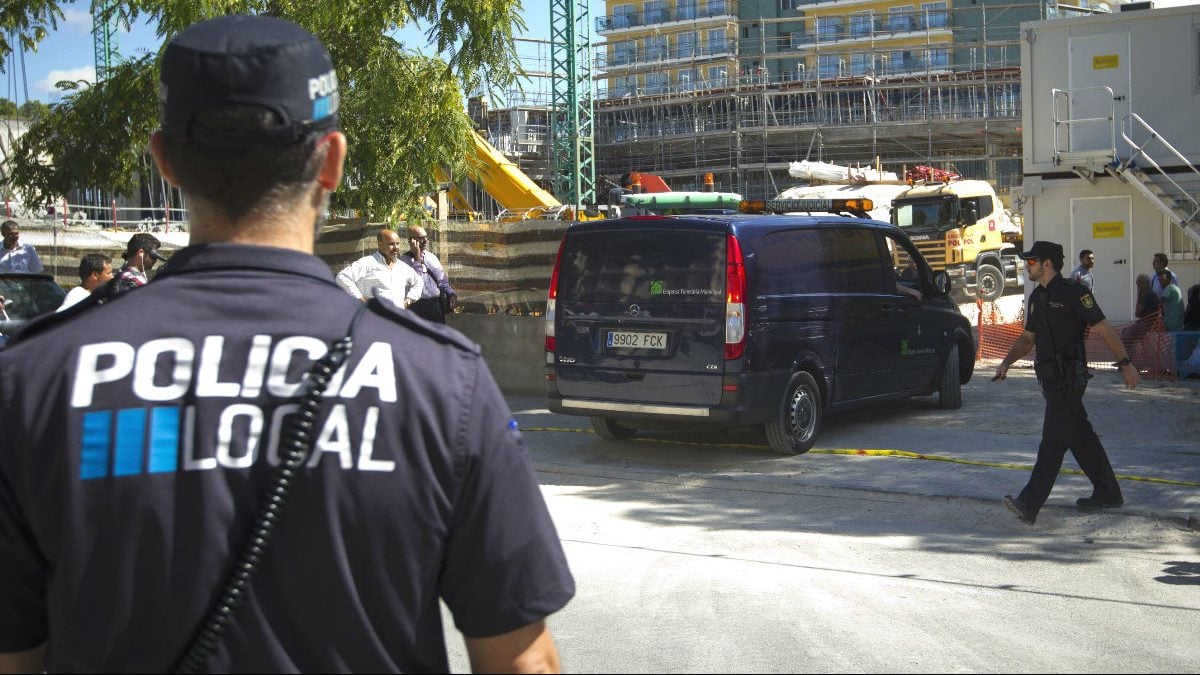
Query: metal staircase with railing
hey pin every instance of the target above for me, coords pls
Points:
(1174, 189)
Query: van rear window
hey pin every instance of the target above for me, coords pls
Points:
(643, 266)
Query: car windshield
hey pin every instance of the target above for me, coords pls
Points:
(29, 295)
(925, 214)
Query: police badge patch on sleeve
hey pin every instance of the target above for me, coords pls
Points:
(1087, 301)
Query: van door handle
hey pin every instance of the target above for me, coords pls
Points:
(634, 376)
(891, 308)
(1122, 261)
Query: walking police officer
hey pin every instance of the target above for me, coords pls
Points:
(191, 475)
(1058, 314)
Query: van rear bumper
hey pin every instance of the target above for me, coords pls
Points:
(746, 398)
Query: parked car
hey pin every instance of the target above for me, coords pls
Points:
(745, 320)
(26, 297)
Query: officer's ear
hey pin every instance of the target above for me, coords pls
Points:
(158, 149)
(329, 175)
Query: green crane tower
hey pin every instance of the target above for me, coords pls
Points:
(573, 177)
(104, 37)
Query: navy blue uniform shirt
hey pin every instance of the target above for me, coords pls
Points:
(136, 438)
(1058, 314)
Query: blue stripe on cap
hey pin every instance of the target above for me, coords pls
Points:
(164, 440)
(93, 457)
(131, 436)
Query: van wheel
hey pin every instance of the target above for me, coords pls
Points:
(794, 428)
(608, 429)
(950, 391)
(989, 282)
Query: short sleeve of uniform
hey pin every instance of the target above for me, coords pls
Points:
(22, 568)
(1030, 307)
(1083, 304)
(504, 567)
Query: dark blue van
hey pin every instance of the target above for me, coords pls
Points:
(746, 320)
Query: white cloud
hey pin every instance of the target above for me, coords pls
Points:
(78, 19)
(46, 84)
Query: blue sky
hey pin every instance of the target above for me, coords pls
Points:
(67, 54)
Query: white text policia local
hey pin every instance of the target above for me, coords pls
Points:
(163, 371)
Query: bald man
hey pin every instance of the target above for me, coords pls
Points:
(382, 274)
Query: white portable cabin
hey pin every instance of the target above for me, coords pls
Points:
(1111, 140)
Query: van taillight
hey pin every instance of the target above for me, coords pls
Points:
(735, 299)
(551, 301)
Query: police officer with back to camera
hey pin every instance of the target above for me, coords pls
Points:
(1058, 314)
(253, 474)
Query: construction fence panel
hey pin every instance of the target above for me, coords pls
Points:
(495, 267)
(1149, 345)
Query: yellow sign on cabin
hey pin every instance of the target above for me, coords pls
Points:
(1114, 229)
(1105, 61)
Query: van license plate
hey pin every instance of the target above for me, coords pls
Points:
(636, 340)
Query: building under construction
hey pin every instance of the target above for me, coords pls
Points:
(741, 89)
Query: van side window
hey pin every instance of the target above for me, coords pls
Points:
(907, 277)
(832, 260)
(856, 263)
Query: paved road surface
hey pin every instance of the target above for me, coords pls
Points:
(703, 552)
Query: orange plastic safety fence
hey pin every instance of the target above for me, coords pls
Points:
(1149, 345)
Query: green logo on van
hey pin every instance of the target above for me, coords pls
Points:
(656, 288)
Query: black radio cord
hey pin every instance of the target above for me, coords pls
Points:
(295, 445)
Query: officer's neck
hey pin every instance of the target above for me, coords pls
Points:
(1048, 275)
(286, 226)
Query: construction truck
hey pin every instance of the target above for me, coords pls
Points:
(961, 226)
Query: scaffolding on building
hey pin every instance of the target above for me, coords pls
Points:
(941, 87)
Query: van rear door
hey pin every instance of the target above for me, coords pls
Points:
(641, 313)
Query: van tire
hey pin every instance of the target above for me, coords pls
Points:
(989, 282)
(793, 429)
(950, 391)
(608, 429)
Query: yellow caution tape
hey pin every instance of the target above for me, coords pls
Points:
(869, 452)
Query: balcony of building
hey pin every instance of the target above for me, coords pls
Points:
(658, 14)
(657, 54)
(868, 27)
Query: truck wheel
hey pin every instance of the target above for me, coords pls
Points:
(989, 282)
(793, 429)
(950, 391)
(608, 429)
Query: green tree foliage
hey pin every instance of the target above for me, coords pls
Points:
(8, 108)
(88, 135)
(30, 20)
(402, 111)
(33, 110)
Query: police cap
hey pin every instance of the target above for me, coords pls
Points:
(1044, 250)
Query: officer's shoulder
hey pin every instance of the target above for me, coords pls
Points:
(435, 331)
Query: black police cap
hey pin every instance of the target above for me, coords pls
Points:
(252, 60)
(1043, 250)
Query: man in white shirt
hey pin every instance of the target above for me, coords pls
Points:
(15, 256)
(95, 270)
(382, 274)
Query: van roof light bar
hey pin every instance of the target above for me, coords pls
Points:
(856, 207)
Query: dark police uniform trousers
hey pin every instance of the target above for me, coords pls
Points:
(1058, 315)
(141, 430)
